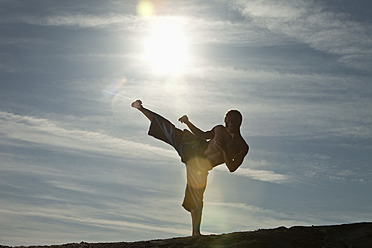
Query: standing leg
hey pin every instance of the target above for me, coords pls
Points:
(138, 105)
(196, 184)
(196, 215)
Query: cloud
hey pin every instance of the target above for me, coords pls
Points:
(198, 30)
(50, 135)
(237, 216)
(75, 20)
(334, 33)
(275, 103)
(66, 215)
(24, 42)
(261, 175)
(266, 23)
(118, 22)
(264, 175)
(72, 224)
(85, 198)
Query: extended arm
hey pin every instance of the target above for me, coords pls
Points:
(201, 134)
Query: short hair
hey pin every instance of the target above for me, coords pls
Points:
(236, 115)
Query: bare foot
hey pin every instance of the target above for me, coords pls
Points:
(137, 104)
(197, 234)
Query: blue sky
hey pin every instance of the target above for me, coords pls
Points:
(77, 163)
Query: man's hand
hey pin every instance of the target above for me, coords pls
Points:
(184, 119)
(196, 131)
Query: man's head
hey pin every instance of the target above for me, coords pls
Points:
(233, 121)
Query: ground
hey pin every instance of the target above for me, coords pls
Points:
(357, 235)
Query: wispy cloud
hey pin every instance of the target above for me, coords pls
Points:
(104, 226)
(242, 216)
(266, 22)
(261, 175)
(75, 20)
(76, 218)
(317, 103)
(264, 175)
(198, 30)
(49, 134)
(112, 199)
(310, 23)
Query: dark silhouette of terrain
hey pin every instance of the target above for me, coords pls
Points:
(358, 235)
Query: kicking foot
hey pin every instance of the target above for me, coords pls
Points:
(137, 104)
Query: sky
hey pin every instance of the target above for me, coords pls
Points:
(76, 161)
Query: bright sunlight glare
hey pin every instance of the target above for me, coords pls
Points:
(166, 48)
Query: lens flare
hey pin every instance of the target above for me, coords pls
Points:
(145, 9)
(114, 88)
(197, 172)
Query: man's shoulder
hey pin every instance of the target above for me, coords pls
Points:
(218, 126)
(220, 130)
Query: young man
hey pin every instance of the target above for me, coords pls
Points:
(200, 151)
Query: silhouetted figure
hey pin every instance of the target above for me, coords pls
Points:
(200, 151)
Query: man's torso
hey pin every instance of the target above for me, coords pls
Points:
(234, 146)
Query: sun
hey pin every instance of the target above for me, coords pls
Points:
(166, 48)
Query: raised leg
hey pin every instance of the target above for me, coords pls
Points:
(148, 113)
